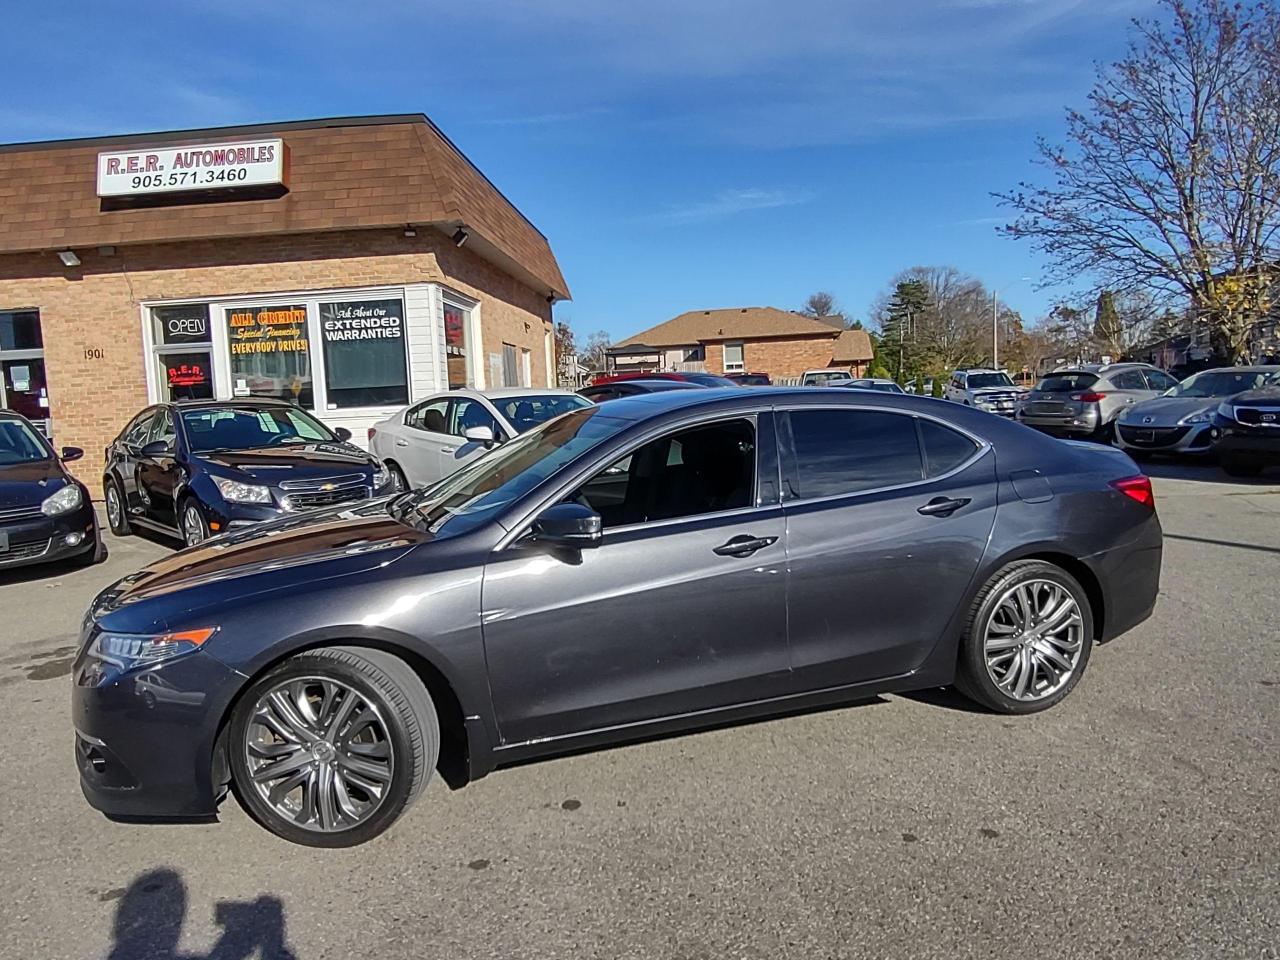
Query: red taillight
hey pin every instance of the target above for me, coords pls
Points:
(372, 431)
(1137, 488)
(1088, 397)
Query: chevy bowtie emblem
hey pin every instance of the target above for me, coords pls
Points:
(326, 487)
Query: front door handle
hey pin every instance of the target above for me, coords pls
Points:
(401, 443)
(743, 545)
(448, 449)
(943, 506)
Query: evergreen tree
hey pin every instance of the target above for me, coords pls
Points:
(905, 309)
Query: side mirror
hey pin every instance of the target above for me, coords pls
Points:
(342, 433)
(568, 525)
(480, 435)
(156, 449)
(71, 453)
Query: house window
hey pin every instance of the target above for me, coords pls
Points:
(457, 345)
(733, 358)
(510, 366)
(271, 353)
(364, 353)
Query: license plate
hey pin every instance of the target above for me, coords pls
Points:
(4, 541)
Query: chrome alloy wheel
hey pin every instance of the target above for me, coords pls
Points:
(319, 753)
(1033, 640)
(192, 525)
(115, 510)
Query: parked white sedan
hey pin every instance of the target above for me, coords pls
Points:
(431, 439)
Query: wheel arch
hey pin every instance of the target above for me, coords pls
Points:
(1073, 565)
(464, 746)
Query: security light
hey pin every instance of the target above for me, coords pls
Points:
(460, 236)
(68, 258)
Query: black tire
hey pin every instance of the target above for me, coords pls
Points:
(120, 524)
(972, 676)
(189, 511)
(399, 482)
(1105, 433)
(1239, 467)
(402, 703)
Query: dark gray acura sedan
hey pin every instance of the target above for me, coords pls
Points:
(659, 563)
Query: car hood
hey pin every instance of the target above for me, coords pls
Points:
(27, 484)
(1262, 397)
(1167, 411)
(347, 541)
(295, 462)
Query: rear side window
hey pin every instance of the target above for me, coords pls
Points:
(1066, 382)
(1130, 380)
(844, 451)
(944, 448)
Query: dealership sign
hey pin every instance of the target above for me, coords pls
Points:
(214, 166)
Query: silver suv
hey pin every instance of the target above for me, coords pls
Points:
(989, 390)
(1086, 400)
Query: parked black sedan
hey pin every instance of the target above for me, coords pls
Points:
(202, 468)
(653, 564)
(1246, 431)
(45, 513)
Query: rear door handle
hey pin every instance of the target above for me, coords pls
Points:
(743, 545)
(943, 506)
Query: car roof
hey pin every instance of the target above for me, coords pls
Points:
(227, 404)
(1250, 368)
(642, 406)
(12, 415)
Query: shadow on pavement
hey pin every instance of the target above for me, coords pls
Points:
(149, 919)
(1237, 544)
(946, 697)
(1205, 470)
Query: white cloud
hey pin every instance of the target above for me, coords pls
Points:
(729, 203)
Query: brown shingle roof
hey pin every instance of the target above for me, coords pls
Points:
(345, 173)
(852, 346)
(735, 323)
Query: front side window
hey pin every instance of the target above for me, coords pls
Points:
(162, 429)
(701, 470)
(136, 433)
(734, 361)
(1159, 380)
(465, 414)
(525, 413)
(1129, 380)
(19, 444)
(364, 353)
(251, 428)
(846, 451)
(271, 353)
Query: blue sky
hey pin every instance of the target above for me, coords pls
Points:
(679, 155)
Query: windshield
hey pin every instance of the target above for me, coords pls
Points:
(978, 381)
(1066, 382)
(20, 444)
(525, 413)
(818, 379)
(1221, 383)
(475, 494)
(249, 428)
(711, 380)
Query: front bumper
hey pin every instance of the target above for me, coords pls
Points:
(48, 539)
(1259, 444)
(223, 515)
(145, 739)
(1193, 439)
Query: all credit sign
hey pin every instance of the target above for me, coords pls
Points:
(212, 166)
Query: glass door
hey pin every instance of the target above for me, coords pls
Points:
(23, 387)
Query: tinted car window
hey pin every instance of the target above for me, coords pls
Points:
(599, 394)
(136, 433)
(1129, 380)
(944, 448)
(1159, 380)
(982, 381)
(844, 451)
(1221, 383)
(19, 444)
(162, 428)
(1066, 382)
(467, 413)
(701, 470)
(525, 413)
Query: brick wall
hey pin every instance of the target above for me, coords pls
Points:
(96, 306)
(780, 358)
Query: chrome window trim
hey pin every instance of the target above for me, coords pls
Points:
(982, 450)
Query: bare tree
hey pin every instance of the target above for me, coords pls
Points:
(594, 348)
(952, 326)
(822, 304)
(1171, 180)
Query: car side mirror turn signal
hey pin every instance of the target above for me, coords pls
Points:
(568, 525)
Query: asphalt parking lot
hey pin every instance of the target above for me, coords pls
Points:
(1138, 819)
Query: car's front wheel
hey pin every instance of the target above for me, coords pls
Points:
(399, 482)
(117, 518)
(331, 747)
(195, 530)
(1028, 639)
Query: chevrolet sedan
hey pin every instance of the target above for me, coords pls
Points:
(654, 564)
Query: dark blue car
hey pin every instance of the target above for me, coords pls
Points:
(45, 513)
(199, 469)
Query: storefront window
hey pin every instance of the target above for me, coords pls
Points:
(364, 353)
(20, 330)
(457, 345)
(184, 351)
(270, 353)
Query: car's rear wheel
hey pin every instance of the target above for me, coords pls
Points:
(331, 747)
(1028, 639)
(117, 518)
(1240, 467)
(194, 527)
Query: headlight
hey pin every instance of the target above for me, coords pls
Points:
(1204, 416)
(381, 476)
(238, 492)
(63, 501)
(127, 650)
(1225, 410)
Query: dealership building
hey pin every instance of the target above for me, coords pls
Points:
(352, 265)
